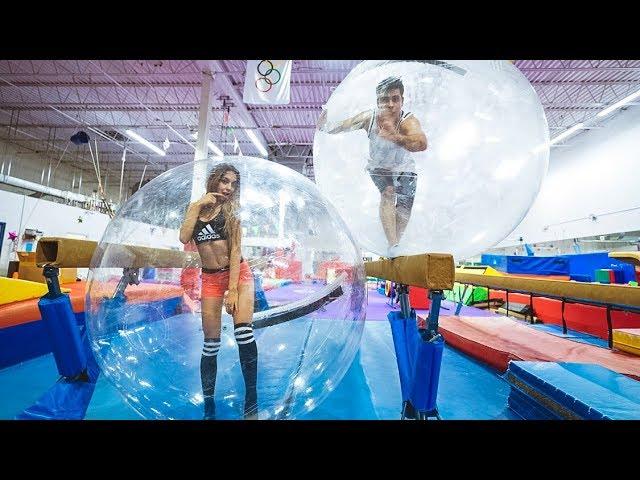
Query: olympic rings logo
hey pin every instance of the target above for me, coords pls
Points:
(269, 76)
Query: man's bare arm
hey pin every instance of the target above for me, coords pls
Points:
(357, 122)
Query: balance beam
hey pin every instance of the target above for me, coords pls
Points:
(435, 271)
(589, 292)
(70, 253)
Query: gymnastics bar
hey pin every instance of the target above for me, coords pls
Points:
(583, 291)
(622, 297)
(71, 252)
(435, 271)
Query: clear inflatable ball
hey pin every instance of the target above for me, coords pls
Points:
(156, 306)
(432, 156)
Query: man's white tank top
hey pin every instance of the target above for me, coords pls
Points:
(386, 154)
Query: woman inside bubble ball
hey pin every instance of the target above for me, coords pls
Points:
(393, 135)
(213, 224)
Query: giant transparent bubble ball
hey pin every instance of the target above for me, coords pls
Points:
(487, 154)
(144, 309)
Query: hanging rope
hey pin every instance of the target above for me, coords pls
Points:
(224, 127)
(144, 170)
(96, 167)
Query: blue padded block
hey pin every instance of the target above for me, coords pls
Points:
(527, 408)
(60, 324)
(23, 342)
(589, 391)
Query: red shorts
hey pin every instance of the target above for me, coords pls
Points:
(215, 284)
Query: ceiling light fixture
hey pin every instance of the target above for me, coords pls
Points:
(145, 142)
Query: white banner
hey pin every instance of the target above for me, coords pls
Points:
(267, 81)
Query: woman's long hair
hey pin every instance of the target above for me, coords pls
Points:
(231, 207)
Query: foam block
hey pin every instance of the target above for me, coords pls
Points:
(602, 275)
(418, 297)
(627, 339)
(15, 290)
(577, 390)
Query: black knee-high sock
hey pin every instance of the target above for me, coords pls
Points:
(248, 352)
(208, 373)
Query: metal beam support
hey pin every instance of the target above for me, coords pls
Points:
(204, 122)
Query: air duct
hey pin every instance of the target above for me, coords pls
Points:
(36, 187)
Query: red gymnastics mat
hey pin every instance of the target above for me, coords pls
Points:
(497, 340)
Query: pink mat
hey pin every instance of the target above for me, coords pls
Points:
(496, 340)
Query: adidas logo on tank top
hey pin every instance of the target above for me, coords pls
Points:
(207, 233)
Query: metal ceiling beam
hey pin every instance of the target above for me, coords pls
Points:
(277, 127)
(59, 126)
(587, 83)
(243, 110)
(299, 107)
(96, 107)
(100, 140)
(161, 107)
(79, 83)
(568, 108)
(579, 69)
(77, 76)
(146, 127)
(155, 83)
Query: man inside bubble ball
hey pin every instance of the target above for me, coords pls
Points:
(393, 135)
(214, 225)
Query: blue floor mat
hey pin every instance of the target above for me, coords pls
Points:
(370, 389)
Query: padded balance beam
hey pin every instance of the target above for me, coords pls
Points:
(435, 271)
(589, 292)
(70, 252)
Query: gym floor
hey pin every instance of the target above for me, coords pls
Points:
(370, 390)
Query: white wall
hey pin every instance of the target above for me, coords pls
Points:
(598, 174)
(53, 219)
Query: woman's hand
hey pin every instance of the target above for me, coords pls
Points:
(231, 302)
(210, 199)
